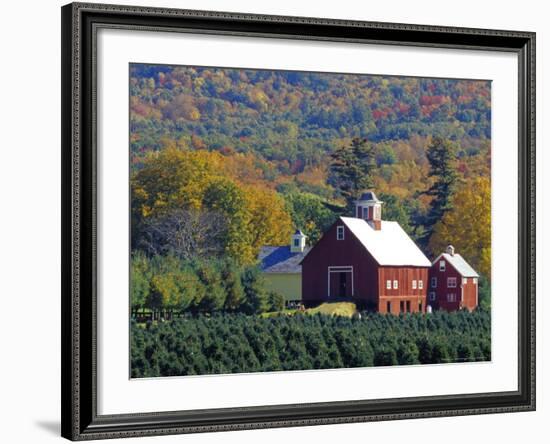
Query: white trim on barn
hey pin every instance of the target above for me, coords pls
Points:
(340, 269)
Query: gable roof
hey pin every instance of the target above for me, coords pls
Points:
(281, 259)
(369, 196)
(388, 246)
(459, 264)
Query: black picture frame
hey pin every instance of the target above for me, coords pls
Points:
(80, 420)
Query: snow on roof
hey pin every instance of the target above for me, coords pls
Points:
(388, 246)
(281, 259)
(459, 263)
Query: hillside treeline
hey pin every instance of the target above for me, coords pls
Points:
(166, 286)
(238, 343)
(294, 118)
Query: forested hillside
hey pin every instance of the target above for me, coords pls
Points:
(225, 161)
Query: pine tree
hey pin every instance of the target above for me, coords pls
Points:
(256, 298)
(442, 158)
(352, 168)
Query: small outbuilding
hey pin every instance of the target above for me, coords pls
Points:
(453, 283)
(281, 267)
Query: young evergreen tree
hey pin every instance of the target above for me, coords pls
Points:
(231, 277)
(256, 298)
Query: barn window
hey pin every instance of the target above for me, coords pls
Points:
(340, 232)
(395, 284)
(420, 285)
(434, 282)
(401, 306)
(388, 307)
(408, 306)
(296, 242)
(474, 280)
(432, 295)
(464, 280)
(451, 297)
(414, 285)
(388, 284)
(420, 307)
(441, 265)
(451, 282)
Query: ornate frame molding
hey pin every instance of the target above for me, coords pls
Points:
(79, 395)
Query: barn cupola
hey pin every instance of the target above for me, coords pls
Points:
(369, 208)
(298, 242)
(450, 250)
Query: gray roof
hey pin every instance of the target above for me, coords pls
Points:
(459, 263)
(281, 259)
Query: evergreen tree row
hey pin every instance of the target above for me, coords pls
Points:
(236, 343)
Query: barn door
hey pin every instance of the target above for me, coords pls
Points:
(340, 282)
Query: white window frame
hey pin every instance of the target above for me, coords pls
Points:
(296, 242)
(431, 296)
(388, 284)
(340, 232)
(414, 284)
(451, 297)
(434, 282)
(451, 282)
(474, 281)
(464, 281)
(442, 265)
(395, 284)
(421, 284)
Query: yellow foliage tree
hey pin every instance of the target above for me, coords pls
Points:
(201, 180)
(468, 225)
(269, 222)
(173, 178)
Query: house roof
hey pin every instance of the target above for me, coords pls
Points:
(281, 259)
(459, 263)
(369, 195)
(388, 246)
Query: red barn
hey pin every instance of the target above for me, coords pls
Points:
(368, 261)
(453, 282)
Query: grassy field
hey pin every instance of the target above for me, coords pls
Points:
(346, 309)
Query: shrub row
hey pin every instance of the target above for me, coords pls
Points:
(236, 343)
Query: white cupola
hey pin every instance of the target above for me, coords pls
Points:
(298, 242)
(369, 208)
(450, 250)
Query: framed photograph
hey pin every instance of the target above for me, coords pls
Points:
(280, 221)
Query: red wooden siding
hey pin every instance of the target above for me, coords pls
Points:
(466, 295)
(330, 252)
(405, 298)
(365, 283)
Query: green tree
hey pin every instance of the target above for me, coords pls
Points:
(396, 210)
(443, 170)
(213, 298)
(309, 214)
(256, 297)
(352, 168)
(276, 301)
(231, 277)
(140, 276)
